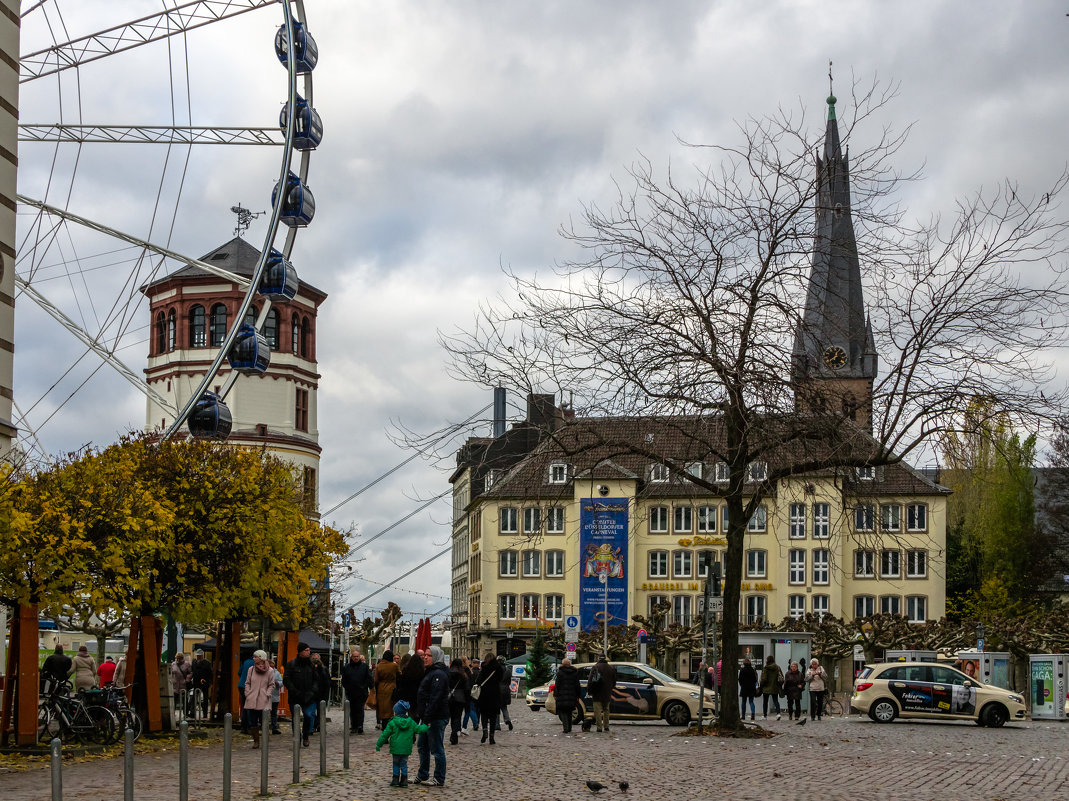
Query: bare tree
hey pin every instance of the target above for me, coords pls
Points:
(685, 307)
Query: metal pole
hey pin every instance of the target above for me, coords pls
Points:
(128, 766)
(183, 761)
(298, 713)
(228, 747)
(346, 706)
(705, 654)
(265, 740)
(57, 769)
(604, 578)
(322, 738)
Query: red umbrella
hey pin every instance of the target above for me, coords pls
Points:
(424, 636)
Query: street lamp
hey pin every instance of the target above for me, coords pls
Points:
(509, 634)
(980, 637)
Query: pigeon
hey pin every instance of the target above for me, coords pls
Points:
(802, 721)
(595, 786)
(624, 786)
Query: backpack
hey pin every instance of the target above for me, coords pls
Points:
(594, 682)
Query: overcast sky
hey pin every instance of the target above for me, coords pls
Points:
(459, 137)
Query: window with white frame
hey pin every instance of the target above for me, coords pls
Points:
(917, 608)
(529, 603)
(558, 473)
(756, 471)
(682, 564)
(695, 469)
(706, 519)
(916, 564)
(705, 563)
(865, 473)
(864, 606)
(724, 518)
(657, 606)
(555, 520)
(796, 522)
(532, 520)
(554, 564)
(756, 607)
(554, 607)
(821, 521)
(821, 605)
(506, 607)
(821, 566)
(758, 520)
(532, 564)
(508, 520)
(864, 563)
(723, 473)
(890, 605)
(509, 563)
(796, 606)
(891, 517)
(681, 609)
(796, 566)
(658, 473)
(863, 517)
(755, 564)
(658, 564)
(890, 564)
(684, 519)
(658, 520)
(917, 517)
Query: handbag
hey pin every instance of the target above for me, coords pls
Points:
(372, 699)
(457, 694)
(477, 690)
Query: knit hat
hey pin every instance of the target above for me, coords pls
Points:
(401, 709)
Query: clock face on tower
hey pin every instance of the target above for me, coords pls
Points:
(835, 357)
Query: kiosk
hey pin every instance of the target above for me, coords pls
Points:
(990, 667)
(1047, 685)
(910, 656)
(786, 647)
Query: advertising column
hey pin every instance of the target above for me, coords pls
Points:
(1047, 685)
(603, 527)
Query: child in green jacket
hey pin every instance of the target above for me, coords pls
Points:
(400, 732)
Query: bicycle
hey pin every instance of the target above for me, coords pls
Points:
(832, 706)
(62, 716)
(115, 699)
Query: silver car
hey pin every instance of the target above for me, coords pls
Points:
(536, 697)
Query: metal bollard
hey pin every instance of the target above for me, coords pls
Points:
(265, 741)
(345, 706)
(322, 738)
(128, 766)
(228, 747)
(57, 769)
(183, 761)
(298, 713)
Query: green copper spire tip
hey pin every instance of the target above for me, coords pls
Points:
(831, 107)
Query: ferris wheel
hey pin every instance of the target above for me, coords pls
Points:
(103, 208)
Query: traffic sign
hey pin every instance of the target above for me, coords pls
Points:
(570, 647)
(346, 620)
(641, 633)
(571, 622)
(716, 604)
(571, 628)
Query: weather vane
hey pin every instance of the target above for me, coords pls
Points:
(245, 218)
(831, 90)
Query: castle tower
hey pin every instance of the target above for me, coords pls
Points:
(191, 311)
(834, 359)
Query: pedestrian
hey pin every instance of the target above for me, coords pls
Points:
(276, 695)
(411, 675)
(399, 733)
(323, 685)
(771, 686)
(566, 693)
(599, 686)
(489, 702)
(506, 693)
(202, 682)
(793, 682)
(817, 678)
(302, 687)
(472, 712)
(243, 671)
(459, 698)
(386, 673)
(258, 687)
(747, 688)
(181, 676)
(106, 671)
(432, 708)
(84, 670)
(55, 670)
(120, 672)
(356, 682)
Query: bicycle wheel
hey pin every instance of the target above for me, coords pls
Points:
(48, 726)
(129, 719)
(97, 724)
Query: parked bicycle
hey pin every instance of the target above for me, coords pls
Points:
(72, 718)
(832, 706)
(113, 697)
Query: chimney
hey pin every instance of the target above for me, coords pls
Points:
(499, 411)
(542, 411)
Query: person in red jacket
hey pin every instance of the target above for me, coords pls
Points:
(106, 672)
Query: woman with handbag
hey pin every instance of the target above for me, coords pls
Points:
(386, 673)
(459, 698)
(488, 695)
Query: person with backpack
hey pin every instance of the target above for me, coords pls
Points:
(599, 686)
(459, 698)
(771, 686)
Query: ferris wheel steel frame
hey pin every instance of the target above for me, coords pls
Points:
(149, 134)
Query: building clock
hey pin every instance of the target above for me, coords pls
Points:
(835, 357)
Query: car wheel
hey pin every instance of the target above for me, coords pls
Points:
(883, 711)
(994, 716)
(676, 714)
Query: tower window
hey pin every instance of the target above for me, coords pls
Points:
(172, 330)
(197, 338)
(301, 410)
(161, 333)
(271, 329)
(217, 331)
(295, 334)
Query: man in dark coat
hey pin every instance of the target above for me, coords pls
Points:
(356, 681)
(202, 680)
(55, 669)
(301, 681)
(600, 684)
(566, 693)
(432, 708)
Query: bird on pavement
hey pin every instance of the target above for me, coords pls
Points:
(595, 786)
(624, 786)
(802, 721)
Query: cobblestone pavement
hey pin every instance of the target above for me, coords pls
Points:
(846, 758)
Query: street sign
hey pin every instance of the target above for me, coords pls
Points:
(571, 628)
(980, 645)
(716, 604)
(346, 620)
(641, 633)
(570, 647)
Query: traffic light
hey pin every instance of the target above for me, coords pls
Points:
(714, 579)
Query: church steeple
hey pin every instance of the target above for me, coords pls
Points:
(834, 358)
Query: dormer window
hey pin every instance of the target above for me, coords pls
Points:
(489, 480)
(659, 473)
(757, 471)
(695, 469)
(723, 473)
(558, 473)
(865, 473)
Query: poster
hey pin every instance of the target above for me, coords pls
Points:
(1043, 686)
(603, 527)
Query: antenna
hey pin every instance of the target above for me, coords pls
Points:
(245, 218)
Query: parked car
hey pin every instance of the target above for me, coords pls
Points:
(536, 697)
(929, 690)
(642, 693)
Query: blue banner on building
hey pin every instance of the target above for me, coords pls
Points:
(603, 550)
